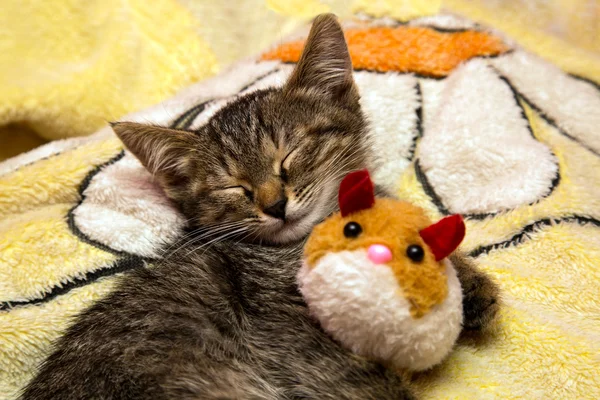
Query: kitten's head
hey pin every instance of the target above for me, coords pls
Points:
(266, 167)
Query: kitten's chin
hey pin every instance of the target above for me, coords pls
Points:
(292, 231)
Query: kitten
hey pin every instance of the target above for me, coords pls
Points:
(227, 322)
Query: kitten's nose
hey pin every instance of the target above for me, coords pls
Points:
(277, 209)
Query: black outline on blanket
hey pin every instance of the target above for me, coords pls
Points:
(259, 78)
(370, 18)
(437, 201)
(518, 238)
(555, 182)
(185, 120)
(125, 262)
(49, 156)
(82, 188)
(419, 123)
(586, 80)
(119, 266)
(428, 189)
(551, 121)
(515, 96)
(71, 216)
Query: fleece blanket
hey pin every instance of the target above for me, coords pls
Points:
(68, 66)
(464, 121)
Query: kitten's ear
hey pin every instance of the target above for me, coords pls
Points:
(163, 151)
(325, 65)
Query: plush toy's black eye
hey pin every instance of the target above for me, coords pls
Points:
(352, 230)
(415, 252)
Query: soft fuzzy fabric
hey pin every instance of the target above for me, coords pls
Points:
(510, 142)
(69, 65)
(362, 305)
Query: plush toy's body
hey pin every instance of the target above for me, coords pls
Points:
(377, 278)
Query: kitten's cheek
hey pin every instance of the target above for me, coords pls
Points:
(296, 212)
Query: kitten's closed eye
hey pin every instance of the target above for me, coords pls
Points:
(240, 190)
(283, 174)
(286, 162)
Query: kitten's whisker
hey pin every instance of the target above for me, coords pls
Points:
(220, 238)
(308, 193)
(341, 154)
(205, 244)
(348, 158)
(201, 229)
(180, 239)
(208, 233)
(339, 169)
(250, 232)
(334, 175)
(219, 230)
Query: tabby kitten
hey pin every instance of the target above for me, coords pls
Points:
(228, 322)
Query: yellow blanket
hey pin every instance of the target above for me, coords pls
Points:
(471, 123)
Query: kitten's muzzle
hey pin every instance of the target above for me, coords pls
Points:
(277, 209)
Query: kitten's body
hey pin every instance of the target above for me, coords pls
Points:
(227, 324)
(225, 320)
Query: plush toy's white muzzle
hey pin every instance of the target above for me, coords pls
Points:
(360, 303)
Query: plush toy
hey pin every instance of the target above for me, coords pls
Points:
(377, 278)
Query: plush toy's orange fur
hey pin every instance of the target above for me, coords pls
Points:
(397, 225)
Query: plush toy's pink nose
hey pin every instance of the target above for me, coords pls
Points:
(379, 253)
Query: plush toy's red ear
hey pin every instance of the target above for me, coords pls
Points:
(444, 236)
(356, 192)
